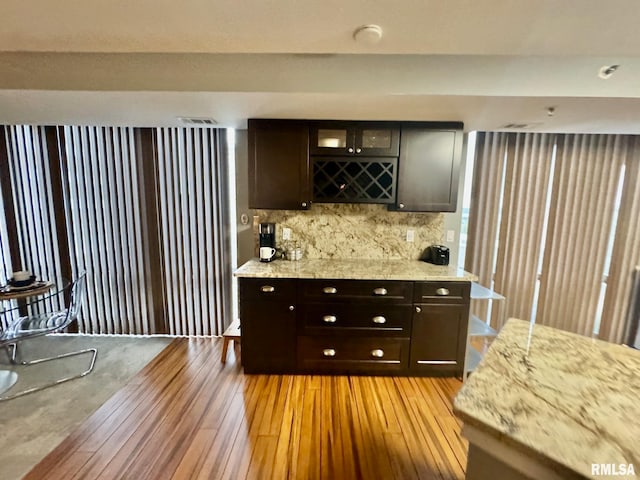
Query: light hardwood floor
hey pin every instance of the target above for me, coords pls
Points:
(187, 416)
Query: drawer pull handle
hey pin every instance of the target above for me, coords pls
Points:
(329, 319)
(379, 319)
(443, 292)
(267, 289)
(329, 352)
(330, 290)
(418, 309)
(380, 291)
(377, 353)
(436, 362)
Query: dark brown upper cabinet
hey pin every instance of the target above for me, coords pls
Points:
(279, 175)
(410, 166)
(429, 168)
(367, 139)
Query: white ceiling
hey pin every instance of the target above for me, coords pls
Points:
(485, 62)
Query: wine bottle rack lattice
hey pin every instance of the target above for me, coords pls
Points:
(362, 180)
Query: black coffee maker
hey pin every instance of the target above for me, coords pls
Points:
(267, 236)
(436, 254)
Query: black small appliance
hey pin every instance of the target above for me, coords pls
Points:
(436, 254)
(267, 236)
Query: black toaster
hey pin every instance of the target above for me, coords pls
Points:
(436, 254)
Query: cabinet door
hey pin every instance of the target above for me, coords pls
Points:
(331, 138)
(279, 164)
(428, 170)
(377, 139)
(268, 336)
(438, 338)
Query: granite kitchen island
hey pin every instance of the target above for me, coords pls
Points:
(548, 404)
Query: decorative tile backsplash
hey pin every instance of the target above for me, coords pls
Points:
(337, 230)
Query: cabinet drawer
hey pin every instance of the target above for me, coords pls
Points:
(352, 355)
(442, 292)
(350, 290)
(268, 289)
(349, 319)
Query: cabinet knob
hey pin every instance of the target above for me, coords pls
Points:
(377, 353)
(330, 290)
(329, 319)
(304, 204)
(401, 205)
(329, 352)
(418, 309)
(350, 150)
(267, 289)
(292, 308)
(380, 291)
(358, 150)
(379, 319)
(443, 292)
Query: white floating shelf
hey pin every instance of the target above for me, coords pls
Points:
(478, 292)
(478, 328)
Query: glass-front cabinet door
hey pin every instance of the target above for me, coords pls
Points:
(354, 138)
(377, 139)
(332, 138)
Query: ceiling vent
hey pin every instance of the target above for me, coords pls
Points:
(198, 121)
(520, 126)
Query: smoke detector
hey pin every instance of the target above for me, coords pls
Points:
(520, 126)
(368, 34)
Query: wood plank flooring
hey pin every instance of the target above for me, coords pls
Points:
(188, 416)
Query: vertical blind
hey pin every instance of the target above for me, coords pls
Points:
(587, 174)
(35, 211)
(191, 180)
(527, 175)
(122, 193)
(484, 216)
(556, 224)
(104, 220)
(625, 255)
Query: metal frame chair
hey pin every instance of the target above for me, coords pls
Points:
(27, 327)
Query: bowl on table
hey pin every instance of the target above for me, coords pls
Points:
(21, 279)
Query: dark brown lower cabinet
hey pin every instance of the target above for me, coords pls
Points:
(438, 339)
(359, 327)
(268, 337)
(268, 325)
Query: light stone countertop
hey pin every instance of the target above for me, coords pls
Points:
(564, 399)
(353, 269)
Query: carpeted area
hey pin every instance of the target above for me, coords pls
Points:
(33, 425)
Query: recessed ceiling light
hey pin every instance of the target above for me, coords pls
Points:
(606, 71)
(368, 34)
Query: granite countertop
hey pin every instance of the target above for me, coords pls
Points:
(353, 269)
(564, 399)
